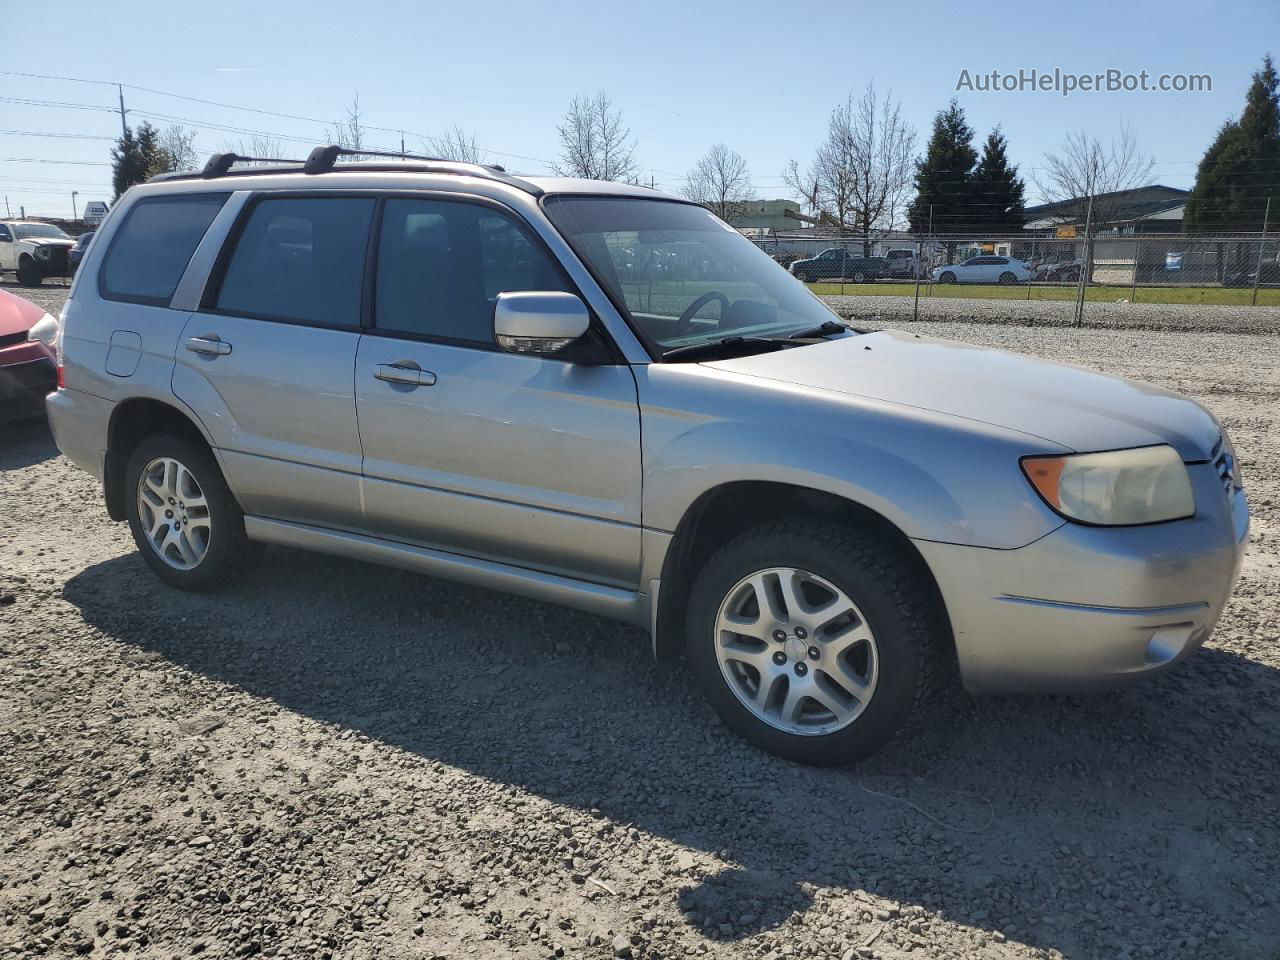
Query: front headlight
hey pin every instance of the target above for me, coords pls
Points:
(45, 330)
(1119, 488)
(43, 252)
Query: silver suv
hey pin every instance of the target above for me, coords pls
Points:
(596, 395)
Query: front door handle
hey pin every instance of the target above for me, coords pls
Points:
(394, 373)
(208, 346)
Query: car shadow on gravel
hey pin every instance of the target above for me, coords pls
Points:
(25, 442)
(1091, 825)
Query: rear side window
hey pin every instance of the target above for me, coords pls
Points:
(300, 259)
(152, 248)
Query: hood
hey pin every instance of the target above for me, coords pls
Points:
(1067, 405)
(48, 241)
(17, 315)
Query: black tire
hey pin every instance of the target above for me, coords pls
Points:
(1007, 279)
(804, 277)
(859, 278)
(947, 277)
(29, 274)
(230, 552)
(897, 607)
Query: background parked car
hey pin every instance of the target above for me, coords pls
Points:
(984, 269)
(903, 263)
(77, 252)
(837, 263)
(1063, 271)
(28, 365)
(33, 250)
(1269, 277)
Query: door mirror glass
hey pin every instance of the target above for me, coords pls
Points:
(541, 322)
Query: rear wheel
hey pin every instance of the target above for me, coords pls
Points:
(185, 522)
(813, 642)
(29, 274)
(859, 278)
(947, 277)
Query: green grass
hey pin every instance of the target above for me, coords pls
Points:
(1225, 296)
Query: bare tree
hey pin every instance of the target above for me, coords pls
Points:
(721, 182)
(455, 144)
(594, 143)
(861, 175)
(179, 147)
(261, 145)
(348, 133)
(1086, 169)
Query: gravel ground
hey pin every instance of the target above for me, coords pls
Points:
(337, 760)
(1053, 313)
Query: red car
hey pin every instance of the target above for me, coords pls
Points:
(28, 357)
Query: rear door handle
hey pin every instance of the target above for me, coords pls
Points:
(394, 373)
(208, 346)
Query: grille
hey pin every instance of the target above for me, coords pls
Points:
(9, 339)
(1224, 463)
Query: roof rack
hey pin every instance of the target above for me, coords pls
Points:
(325, 160)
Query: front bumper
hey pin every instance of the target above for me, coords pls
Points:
(24, 385)
(1092, 607)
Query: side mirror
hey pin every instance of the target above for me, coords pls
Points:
(541, 322)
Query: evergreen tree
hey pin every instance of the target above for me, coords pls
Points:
(944, 176)
(135, 158)
(1242, 165)
(998, 190)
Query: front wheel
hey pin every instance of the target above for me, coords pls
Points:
(185, 522)
(859, 278)
(1007, 279)
(813, 642)
(947, 277)
(29, 274)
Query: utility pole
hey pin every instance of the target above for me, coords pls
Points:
(1266, 216)
(402, 143)
(74, 194)
(7, 212)
(124, 127)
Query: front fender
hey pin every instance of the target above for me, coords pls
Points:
(934, 476)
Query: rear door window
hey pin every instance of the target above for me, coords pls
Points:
(300, 260)
(151, 250)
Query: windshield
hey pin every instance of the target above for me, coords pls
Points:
(26, 231)
(684, 276)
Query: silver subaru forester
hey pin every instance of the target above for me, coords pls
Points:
(600, 396)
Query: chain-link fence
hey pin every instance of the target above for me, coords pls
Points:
(1168, 268)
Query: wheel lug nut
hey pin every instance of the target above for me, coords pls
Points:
(801, 633)
(779, 636)
(779, 658)
(801, 669)
(814, 653)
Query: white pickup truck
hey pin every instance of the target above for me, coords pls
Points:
(33, 250)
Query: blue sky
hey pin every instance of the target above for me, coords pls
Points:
(762, 77)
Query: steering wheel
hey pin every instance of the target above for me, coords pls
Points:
(691, 311)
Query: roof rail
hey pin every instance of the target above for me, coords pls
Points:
(325, 160)
(219, 165)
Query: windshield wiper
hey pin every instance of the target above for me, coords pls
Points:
(826, 328)
(714, 348)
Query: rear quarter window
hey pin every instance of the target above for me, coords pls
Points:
(151, 250)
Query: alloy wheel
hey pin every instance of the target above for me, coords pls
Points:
(174, 513)
(796, 651)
